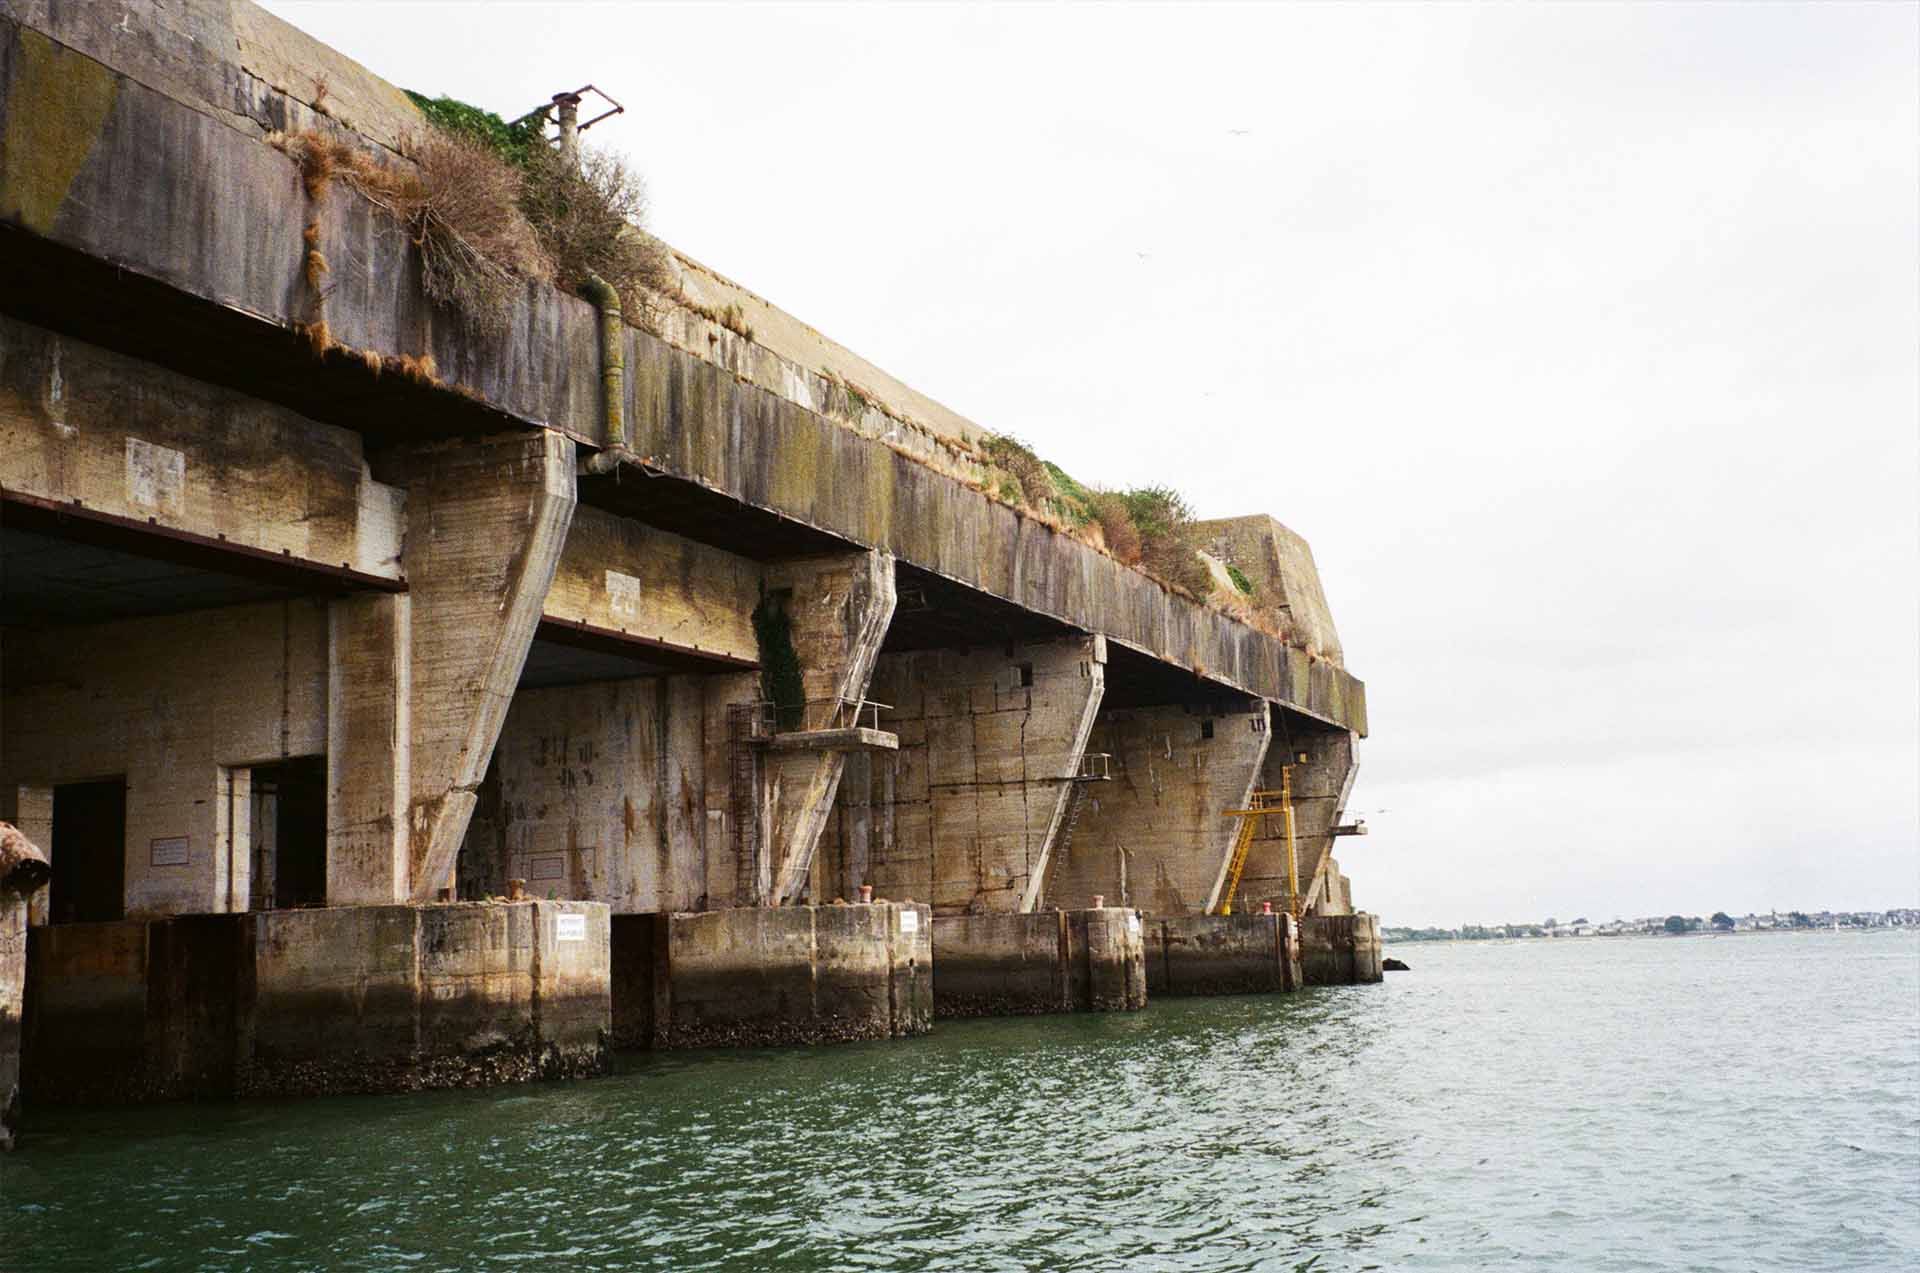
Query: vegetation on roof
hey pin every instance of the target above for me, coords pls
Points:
(1151, 527)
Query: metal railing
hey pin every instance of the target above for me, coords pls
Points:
(769, 718)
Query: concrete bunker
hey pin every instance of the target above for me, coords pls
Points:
(296, 645)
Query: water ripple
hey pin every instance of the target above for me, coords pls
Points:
(1639, 1105)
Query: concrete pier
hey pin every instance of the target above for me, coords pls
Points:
(760, 976)
(317, 1002)
(1010, 964)
(1340, 950)
(1222, 954)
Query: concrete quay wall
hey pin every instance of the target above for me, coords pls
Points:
(762, 976)
(315, 1002)
(1222, 954)
(1013, 964)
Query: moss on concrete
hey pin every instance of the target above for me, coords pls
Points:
(57, 104)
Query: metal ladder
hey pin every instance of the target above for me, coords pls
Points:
(745, 729)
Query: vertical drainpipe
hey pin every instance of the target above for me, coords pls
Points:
(613, 375)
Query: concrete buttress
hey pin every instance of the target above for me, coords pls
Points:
(1321, 784)
(839, 608)
(486, 523)
(1154, 837)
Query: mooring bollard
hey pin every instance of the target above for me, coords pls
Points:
(1266, 908)
(866, 894)
(1099, 901)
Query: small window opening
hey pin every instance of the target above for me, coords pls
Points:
(1026, 676)
(1206, 729)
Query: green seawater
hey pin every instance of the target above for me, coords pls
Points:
(1718, 1103)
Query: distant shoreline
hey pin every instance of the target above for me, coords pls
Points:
(1387, 939)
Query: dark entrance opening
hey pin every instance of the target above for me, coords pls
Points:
(290, 834)
(89, 852)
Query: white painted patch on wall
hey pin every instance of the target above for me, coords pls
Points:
(156, 476)
(57, 397)
(623, 595)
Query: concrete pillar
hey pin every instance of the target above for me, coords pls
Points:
(839, 608)
(369, 749)
(30, 809)
(1321, 785)
(487, 520)
(1340, 950)
(966, 813)
(23, 872)
(1155, 837)
(1008, 963)
(13, 989)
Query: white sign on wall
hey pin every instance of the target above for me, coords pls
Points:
(909, 920)
(169, 850)
(156, 475)
(570, 927)
(623, 595)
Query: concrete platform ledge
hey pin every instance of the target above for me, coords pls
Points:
(316, 1002)
(855, 739)
(1222, 954)
(759, 976)
(1013, 964)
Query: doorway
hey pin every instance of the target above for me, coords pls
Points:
(89, 852)
(290, 834)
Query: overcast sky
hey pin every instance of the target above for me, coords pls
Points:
(1580, 342)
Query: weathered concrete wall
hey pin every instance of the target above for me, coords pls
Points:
(996, 964)
(838, 609)
(596, 792)
(1340, 950)
(756, 976)
(1222, 954)
(966, 812)
(619, 577)
(168, 702)
(354, 999)
(486, 523)
(1154, 837)
(234, 240)
(131, 440)
(1285, 581)
(1321, 784)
